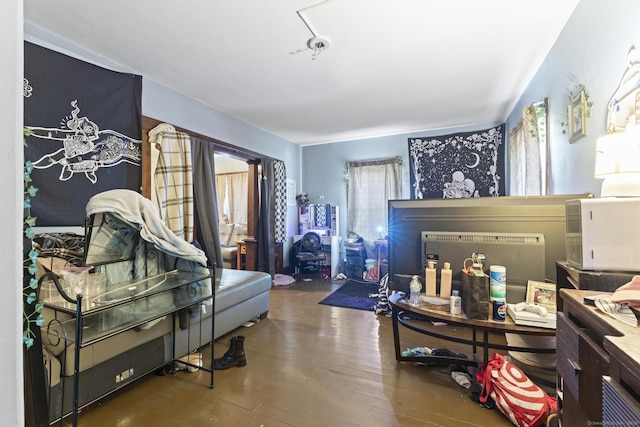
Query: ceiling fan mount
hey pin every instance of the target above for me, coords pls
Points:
(318, 44)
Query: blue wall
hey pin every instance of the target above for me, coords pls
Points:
(323, 166)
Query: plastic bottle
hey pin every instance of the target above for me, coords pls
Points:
(414, 287)
(430, 279)
(455, 303)
(498, 283)
(445, 281)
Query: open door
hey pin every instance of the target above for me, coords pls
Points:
(252, 160)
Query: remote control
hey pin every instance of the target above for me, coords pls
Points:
(523, 306)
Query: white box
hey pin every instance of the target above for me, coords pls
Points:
(527, 318)
(603, 234)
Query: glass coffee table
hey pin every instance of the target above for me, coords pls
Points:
(420, 319)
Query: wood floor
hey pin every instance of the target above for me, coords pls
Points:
(308, 365)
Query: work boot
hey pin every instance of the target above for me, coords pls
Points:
(233, 357)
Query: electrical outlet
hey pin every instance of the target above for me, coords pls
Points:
(124, 375)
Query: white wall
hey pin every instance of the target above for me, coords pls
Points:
(224, 164)
(12, 402)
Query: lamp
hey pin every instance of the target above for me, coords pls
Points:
(618, 162)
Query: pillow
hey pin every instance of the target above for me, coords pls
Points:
(226, 230)
(239, 233)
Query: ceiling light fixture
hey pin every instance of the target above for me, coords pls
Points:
(316, 43)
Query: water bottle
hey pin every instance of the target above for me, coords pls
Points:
(415, 286)
(455, 303)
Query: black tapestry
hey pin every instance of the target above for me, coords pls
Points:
(86, 124)
(465, 164)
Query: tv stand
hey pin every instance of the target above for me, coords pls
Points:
(419, 319)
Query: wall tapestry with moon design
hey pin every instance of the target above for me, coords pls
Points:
(464, 164)
(86, 133)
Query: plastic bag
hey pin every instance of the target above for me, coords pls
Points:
(475, 296)
(515, 395)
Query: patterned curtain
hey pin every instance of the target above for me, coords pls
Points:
(173, 179)
(280, 232)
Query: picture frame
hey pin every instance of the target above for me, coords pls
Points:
(542, 293)
(577, 116)
(291, 192)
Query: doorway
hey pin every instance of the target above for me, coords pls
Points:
(252, 162)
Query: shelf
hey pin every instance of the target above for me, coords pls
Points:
(129, 292)
(131, 311)
(113, 306)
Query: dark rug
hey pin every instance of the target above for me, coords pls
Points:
(354, 295)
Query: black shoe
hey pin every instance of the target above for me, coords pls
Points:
(165, 370)
(234, 356)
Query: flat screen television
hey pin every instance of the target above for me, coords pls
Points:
(407, 219)
(522, 255)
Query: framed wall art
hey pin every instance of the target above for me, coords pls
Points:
(291, 192)
(577, 116)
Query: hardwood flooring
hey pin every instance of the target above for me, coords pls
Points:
(308, 365)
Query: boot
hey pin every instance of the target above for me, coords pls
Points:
(233, 357)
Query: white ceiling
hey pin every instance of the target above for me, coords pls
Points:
(392, 66)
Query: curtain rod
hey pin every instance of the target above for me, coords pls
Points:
(392, 160)
(149, 123)
(231, 173)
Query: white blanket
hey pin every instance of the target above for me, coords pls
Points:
(136, 209)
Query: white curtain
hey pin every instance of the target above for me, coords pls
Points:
(370, 186)
(221, 195)
(238, 196)
(525, 157)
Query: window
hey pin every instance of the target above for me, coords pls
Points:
(232, 190)
(528, 146)
(370, 185)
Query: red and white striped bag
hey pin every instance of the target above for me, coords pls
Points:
(517, 397)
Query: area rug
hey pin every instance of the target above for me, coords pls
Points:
(354, 295)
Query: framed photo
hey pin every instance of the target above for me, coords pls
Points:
(577, 116)
(542, 293)
(291, 192)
